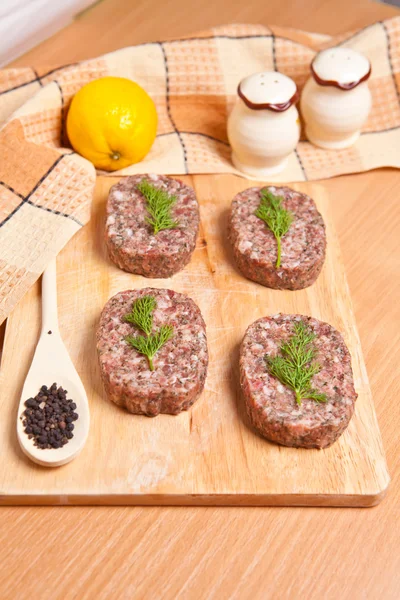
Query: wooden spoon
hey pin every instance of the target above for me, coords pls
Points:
(51, 363)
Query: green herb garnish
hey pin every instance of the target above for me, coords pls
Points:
(159, 204)
(142, 313)
(277, 219)
(150, 345)
(295, 367)
(142, 316)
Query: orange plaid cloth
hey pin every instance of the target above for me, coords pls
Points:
(46, 188)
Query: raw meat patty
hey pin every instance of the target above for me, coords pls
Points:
(180, 366)
(254, 245)
(131, 242)
(271, 406)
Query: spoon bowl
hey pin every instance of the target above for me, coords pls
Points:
(52, 363)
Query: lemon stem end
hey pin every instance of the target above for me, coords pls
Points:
(115, 155)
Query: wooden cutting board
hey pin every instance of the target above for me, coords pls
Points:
(208, 455)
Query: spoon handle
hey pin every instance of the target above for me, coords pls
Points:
(49, 299)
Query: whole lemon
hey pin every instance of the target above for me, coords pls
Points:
(112, 122)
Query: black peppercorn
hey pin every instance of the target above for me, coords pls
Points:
(47, 418)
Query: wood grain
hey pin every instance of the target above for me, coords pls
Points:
(114, 24)
(208, 455)
(237, 553)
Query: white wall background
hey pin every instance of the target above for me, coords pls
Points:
(26, 23)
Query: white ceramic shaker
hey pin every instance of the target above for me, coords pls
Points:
(264, 127)
(336, 101)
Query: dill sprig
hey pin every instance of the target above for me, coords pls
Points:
(295, 367)
(141, 315)
(151, 344)
(159, 204)
(277, 219)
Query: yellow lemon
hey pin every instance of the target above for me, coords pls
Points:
(112, 122)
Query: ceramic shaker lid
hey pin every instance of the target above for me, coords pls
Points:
(340, 67)
(268, 90)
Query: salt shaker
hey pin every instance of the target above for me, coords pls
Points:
(264, 128)
(336, 101)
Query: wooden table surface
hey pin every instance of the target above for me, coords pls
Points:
(221, 553)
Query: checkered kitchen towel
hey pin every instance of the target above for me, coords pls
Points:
(45, 188)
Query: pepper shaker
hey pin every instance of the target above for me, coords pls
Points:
(263, 127)
(336, 100)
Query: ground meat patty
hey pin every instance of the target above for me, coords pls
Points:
(255, 248)
(180, 366)
(131, 242)
(271, 406)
